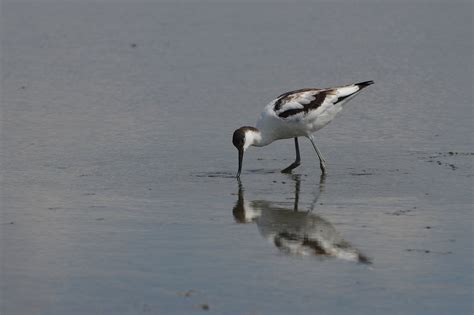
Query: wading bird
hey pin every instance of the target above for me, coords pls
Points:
(296, 114)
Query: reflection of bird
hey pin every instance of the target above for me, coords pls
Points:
(293, 231)
(296, 114)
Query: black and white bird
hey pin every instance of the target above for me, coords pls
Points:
(295, 114)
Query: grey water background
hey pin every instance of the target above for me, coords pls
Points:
(117, 162)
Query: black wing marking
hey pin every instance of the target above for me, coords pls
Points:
(318, 100)
(304, 100)
(283, 98)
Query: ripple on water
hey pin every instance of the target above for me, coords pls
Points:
(215, 174)
(259, 171)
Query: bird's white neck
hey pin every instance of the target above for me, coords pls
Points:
(256, 138)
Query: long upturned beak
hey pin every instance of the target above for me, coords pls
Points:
(241, 157)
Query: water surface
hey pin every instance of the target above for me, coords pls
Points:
(118, 195)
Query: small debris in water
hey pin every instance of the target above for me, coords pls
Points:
(433, 158)
(204, 307)
(400, 212)
(427, 251)
(186, 293)
(428, 227)
(133, 45)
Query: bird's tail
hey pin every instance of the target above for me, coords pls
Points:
(364, 84)
(345, 93)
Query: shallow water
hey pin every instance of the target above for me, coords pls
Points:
(118, 188)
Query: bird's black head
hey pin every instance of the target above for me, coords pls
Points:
(238, 139)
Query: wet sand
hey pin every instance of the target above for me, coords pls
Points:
(118, 188)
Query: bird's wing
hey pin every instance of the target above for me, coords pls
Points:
(303, 101)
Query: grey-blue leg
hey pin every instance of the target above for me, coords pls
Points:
(322, 161)
(297, 162)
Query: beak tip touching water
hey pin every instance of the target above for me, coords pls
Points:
(241, 156)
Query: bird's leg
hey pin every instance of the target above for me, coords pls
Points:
(322, 161)
(297, 162)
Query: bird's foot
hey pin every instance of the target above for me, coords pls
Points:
(323, 167)
(291, 167)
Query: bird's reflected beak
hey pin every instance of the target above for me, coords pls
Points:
(241, 156)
